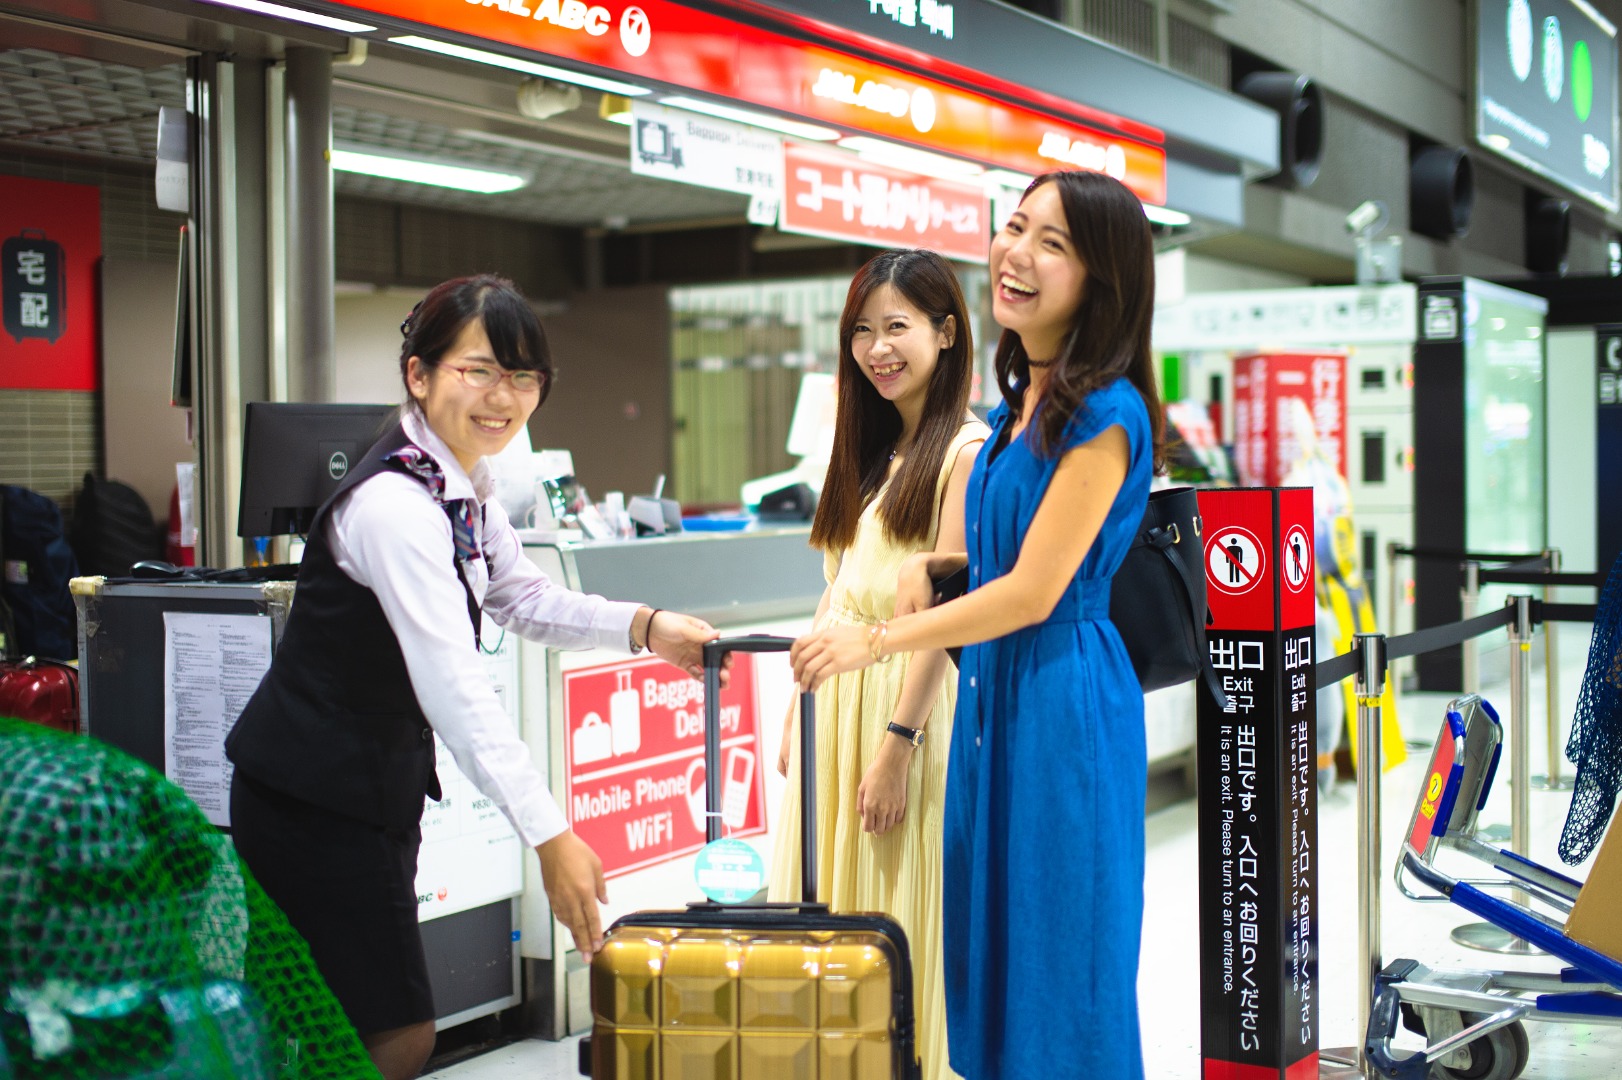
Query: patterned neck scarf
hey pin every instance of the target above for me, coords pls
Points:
(414, 460)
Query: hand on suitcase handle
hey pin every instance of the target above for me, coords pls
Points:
(684, 641)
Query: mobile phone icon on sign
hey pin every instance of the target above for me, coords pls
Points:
(740, 773)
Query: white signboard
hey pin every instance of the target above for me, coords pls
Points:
(470, 855)
(676, 145)
(1275, 318)
(212, 664)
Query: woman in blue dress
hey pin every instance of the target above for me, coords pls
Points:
(1045, 790)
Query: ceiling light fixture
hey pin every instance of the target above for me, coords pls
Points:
(796, 128)
(615, 108)
(512, 63)
(1160, 215)
(412, 170)
(911, 159)
(1006, 178)
(277, 11)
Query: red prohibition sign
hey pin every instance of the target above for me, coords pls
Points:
(1234, 560)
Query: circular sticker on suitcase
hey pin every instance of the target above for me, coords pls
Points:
(729, 871)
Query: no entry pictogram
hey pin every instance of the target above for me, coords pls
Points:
(1233, 560)
(1297, 556)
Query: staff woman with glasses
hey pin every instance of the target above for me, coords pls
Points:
(334, 752)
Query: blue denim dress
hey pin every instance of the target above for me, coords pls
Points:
(1043, 901)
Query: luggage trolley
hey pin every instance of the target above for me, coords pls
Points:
(1472, 1021)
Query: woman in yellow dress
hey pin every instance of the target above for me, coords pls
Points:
(904, 445)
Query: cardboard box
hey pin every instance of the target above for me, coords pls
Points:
(1596, 917)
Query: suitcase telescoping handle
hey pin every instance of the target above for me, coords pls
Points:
(713, 653)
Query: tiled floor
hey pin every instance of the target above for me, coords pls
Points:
(1168, 986)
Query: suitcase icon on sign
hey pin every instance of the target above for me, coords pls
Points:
(593, 740)
(32, 288)
(625, 716)
(655, 142)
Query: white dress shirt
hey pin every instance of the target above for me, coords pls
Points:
(389, 535)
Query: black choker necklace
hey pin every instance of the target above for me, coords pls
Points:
(1038, 363)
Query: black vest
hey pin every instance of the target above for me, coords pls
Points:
(335, 722)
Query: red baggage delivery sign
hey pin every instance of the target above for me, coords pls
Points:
(635, 760)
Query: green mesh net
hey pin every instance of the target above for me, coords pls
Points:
(133, 943)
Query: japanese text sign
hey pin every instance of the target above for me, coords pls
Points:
(1269, 441)
(635, 760)
(834, 193)
(1257, 765)
(676, 145)
(50, 245)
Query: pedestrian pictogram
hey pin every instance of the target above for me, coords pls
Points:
(1233, 560)
(1297, 556)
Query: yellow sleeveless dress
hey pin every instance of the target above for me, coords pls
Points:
(898, 873)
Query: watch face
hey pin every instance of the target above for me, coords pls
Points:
(1519, 32)
(1554, 59)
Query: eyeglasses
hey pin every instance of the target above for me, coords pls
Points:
(487, 378)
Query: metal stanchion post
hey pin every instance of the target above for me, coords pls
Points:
(1370, 686)
(1486, 936)
(1469, 597)
(1393, 594)
(1552, 780)
(1520, 723)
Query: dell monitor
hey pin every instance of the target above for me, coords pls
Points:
(294, 455)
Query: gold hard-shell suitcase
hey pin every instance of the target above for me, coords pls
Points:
(752, 991)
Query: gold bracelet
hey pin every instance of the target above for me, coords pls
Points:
(875, 641)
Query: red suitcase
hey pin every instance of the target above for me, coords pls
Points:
(43, 691)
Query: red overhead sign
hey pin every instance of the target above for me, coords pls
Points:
(50, 245)
(832, 193)
(635, 760)
(662, 42)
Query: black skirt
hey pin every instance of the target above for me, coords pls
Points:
(349, 889)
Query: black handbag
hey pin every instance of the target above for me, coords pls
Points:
(1157, 598)
(1157, 601)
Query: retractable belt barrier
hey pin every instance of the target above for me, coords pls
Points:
(1368, 661)
(1450, 555)
(1511, 576)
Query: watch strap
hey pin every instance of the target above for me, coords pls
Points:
(913, 735)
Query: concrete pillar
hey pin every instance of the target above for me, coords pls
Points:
(307, 193)
(229, 284)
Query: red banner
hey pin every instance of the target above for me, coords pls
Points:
(1267, 441)
(833, 193)
(50, 244)
(662, 42)
(635, 760)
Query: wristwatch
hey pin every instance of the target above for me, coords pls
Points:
(912, 735)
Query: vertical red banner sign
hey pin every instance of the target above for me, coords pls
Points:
(1267, 441)
(635, 760)
(50, 244)
(1258, 795)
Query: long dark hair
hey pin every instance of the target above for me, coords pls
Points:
(1109, 335)
(867, 426)
(515, 333)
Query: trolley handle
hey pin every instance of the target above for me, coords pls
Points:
(714, 651)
